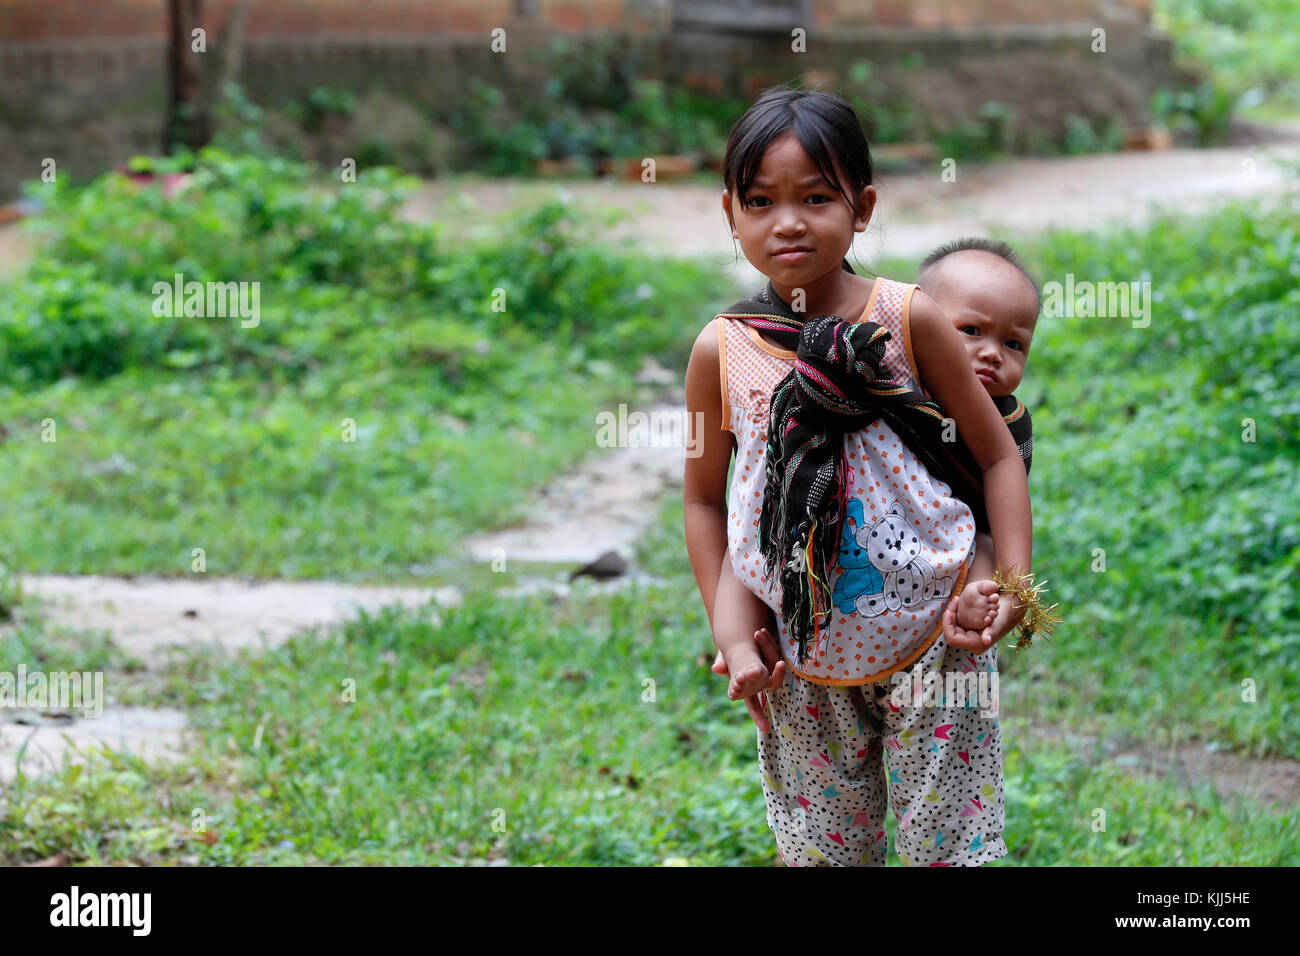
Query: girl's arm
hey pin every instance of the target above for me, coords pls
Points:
(704, 502)
(981, 566)
(946, 373)
(708, 457)
(739, 613)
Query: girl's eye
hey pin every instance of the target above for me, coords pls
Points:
(970, 330)
(1014, 344)
(756, 199)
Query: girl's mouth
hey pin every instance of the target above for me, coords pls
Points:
(795, 256)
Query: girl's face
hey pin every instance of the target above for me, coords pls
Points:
(792, 207)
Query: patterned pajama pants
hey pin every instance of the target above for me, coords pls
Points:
(826, 783)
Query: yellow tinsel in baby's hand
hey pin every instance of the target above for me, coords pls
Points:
(1038, 618)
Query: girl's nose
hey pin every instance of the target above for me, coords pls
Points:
(789, 225)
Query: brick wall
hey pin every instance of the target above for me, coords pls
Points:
(956, 14)
(86, 78)
(26, 21)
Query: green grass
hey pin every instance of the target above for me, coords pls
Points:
(1054, 797)
(486, 736)
(382, 409)
(146, 469)
(442, 740)
(29, 637)
(528, 712)
(1139, 458)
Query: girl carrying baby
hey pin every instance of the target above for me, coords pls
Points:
(839, 522)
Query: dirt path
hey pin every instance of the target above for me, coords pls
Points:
(15, 250)
(605, 497)
(147, 615)
(599, 507)
(1269, 781)
(915, 211)
(150, 733)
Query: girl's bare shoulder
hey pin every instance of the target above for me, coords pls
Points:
(705, 353)
(704, 374)
(711, 442)
(924, 316)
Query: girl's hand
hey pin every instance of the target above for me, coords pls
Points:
(757, 703)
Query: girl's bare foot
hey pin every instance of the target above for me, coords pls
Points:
(978, 605)
(748, 674)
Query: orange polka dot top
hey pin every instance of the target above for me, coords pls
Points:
(905, 543)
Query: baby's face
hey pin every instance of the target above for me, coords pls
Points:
(994, 307)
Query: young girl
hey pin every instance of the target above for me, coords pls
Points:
(798, 176)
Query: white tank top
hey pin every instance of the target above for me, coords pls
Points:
(905, 544)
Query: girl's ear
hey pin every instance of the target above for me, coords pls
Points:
(866, 205)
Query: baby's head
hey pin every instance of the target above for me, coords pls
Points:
(990, 298)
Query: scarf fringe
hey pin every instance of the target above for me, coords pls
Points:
(806, 600)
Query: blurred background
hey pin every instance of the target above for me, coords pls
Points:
(368, 575)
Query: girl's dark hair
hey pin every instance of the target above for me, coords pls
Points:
(825, 126)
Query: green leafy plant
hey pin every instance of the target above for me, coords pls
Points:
(1236, 46)
(1203, 111)
(321, 103)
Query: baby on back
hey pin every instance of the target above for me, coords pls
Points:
(991, 299)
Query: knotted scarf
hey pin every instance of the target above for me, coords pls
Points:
(839, 384)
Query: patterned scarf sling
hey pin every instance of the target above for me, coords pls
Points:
(839, 384)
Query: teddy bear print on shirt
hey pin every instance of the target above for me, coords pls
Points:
(882, 567)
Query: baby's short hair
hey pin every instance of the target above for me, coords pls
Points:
(980, 244)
